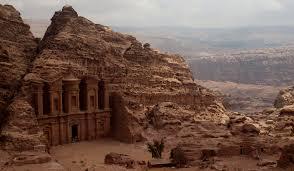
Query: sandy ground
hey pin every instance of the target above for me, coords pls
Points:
(90, 155)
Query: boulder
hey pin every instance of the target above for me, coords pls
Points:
(250, 128)
(287, 156)
(31, 158)
(119, 159)
(285, 98)
(208, 153)
(265, 162)
(287, 110)
(185, 154)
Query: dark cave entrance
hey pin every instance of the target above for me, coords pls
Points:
(74, 133)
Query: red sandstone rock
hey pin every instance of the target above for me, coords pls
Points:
(285, 98)
(120, 159)
(287, 156)
(17, 51)
(287, 110)
(30, 158)
(250, 128)
(139, 76)
(265, 162)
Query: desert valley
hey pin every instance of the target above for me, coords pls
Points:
(77, 95)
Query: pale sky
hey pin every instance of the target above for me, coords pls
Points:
(189, 13)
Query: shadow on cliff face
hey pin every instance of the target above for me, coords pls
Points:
(124, 125)
(4, 112)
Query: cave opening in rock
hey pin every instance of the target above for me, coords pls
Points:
(74, 133)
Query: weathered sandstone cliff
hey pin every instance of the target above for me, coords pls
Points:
(17, 51)
(138, 76)
(153, 95)
(17, 47)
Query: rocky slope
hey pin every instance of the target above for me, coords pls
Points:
(245, 98)
(17, 51)
(139, 77)
(271, 66)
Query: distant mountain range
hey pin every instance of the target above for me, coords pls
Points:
(193, 42)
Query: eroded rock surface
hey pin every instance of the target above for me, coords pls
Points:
(287, 156)
(285, 98)
(120, 159)
(139, 77)
(153, 95)
(17, 51)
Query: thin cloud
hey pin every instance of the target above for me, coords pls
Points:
(192, 13)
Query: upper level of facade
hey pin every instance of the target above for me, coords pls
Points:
(70, 95)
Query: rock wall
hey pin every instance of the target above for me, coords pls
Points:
(17, 51)
(140, 76)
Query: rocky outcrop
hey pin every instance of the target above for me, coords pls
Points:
(120, 159)
(17, 51)
(287, 110)
(30, 158)
(285, 98)
(287, 156)
(139, 77)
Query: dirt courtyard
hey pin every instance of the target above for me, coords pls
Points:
(90, 154)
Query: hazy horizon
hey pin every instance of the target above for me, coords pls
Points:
(168, 13)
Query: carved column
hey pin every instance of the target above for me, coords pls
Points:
(60, 101)
(106, 96)
(51, 112)
(97, 99)
(62, 131)
(38, 98)
(89, 127)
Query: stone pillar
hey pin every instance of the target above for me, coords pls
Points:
(106, 96)
(55, 133)
(38, 98)
(51, 112)
(62, 132)
(97, 99)
(68, 130)
(60, 102)
(87, 127)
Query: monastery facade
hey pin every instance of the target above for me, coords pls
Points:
(70, 109)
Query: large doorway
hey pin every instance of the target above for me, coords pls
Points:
(74, 133)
